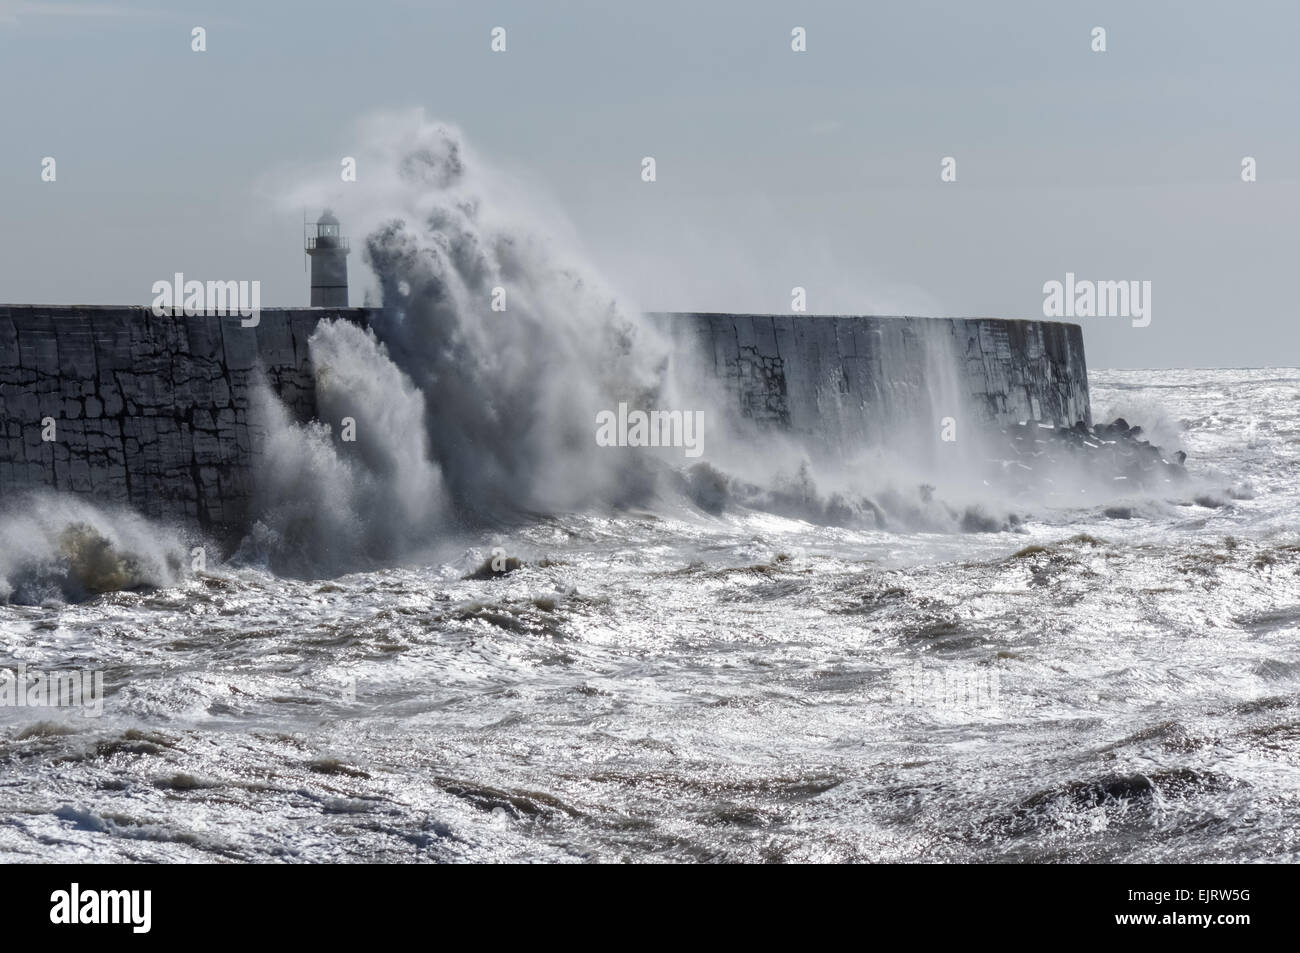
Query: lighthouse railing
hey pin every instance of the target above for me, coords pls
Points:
(331, 241)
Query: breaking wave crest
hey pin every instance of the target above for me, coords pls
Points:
(511, 340)
(360, 488)
(464, 414)
(57, 548)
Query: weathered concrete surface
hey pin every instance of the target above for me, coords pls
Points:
(148, 411)
(849, 379)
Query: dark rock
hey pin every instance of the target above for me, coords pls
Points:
(489, 571)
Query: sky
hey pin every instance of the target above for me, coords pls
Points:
(774, 168)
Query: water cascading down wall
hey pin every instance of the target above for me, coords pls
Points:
(157, 412)
(851, 381)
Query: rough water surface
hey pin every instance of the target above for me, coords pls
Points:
(1113, 679)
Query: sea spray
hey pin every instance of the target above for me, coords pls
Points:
(516, 346)
(510, 393)
(327, 504)
(356, 381)
(511, 346)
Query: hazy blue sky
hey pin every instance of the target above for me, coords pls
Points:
(775, 168)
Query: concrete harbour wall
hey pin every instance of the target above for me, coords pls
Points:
(155, 412)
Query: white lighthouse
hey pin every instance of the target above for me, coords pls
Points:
(329, 263)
